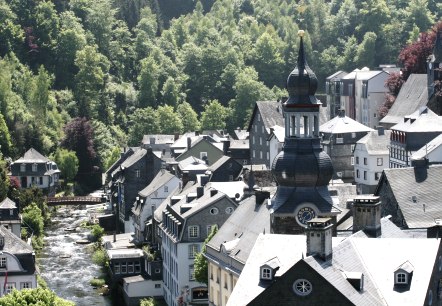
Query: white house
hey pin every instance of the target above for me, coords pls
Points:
(276, 141)
(371, 156)
(432, 151)
(10, 217)
(149, 199)
(370, 93)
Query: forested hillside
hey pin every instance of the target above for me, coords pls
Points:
(132, 67)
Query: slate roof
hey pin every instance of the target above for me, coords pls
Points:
(244, 225)
(413, 94)
(421, 120)
(241, 134)
(342, 125)
(337, 75)
(428, 148)
(158, 139)
(376, 144)
(288, 249)
(192, 163)
(7, 204)
(239, 144)
(160, 180)
(414, 190)
(131, 160)
(32, 156)
(271, 114)
(231, 189)
(279, 132)
(14, 244)
(367, 75)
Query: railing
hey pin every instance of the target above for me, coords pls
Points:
(52, 201)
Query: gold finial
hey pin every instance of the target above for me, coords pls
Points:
(301, 33)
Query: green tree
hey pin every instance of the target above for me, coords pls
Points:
(188, 117)
(145, 33)
(170, 92)
(4, 179)
(5, 138)
(366, 52)
(90, 80)
(100, 21)
(214, 116)
(143, 121)
(419, 14)
(40, 95)
(67, 162)
(36, 296)
(148, 82)
(170, 122)
(11, 33)
(33, 219)
(149, 302)
(200, 262)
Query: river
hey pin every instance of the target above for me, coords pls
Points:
(69, 277)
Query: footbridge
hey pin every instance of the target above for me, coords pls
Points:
(76, 200)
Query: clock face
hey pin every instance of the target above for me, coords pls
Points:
(305, 214)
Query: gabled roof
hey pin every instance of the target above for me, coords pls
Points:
(428, 148)
(415, 192)
(342, 124)
(336, 76)
(7, 204)
(192, 163)
(368, 75)
(162, 178)
(246, 223)
(279, 133)
(376, 144)
(241, 134)
(421, 120)
(14, 244)
(231, 189)
(220, 162)
(158, 139)
(271, 114)
(239, 144)
(131, 160)
(32, 156)
(413, 94)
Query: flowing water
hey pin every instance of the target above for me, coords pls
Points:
(66, 266)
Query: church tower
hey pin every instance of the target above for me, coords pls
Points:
(302, 170)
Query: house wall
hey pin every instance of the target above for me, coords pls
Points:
(434, 285)
(435, 156)
(227, 172)
(135, 291)
(373, 169)
(258, 135)
(18, 281)
(221, 284)
(274, 148)
(213, 153)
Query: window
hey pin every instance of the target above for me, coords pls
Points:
(302, 287)
(253, 153)
(191, 273)
(244, 161)
(262, 128)
(26, 285)
(3, 263)
(266, 273)
(253, 139)
(357, 160)
(130, 267)
(214, 211)
(365, 175)
(229, 210)
(137, 172)
(9, 287)
(2, 241)
(401, 278)
(260, 141)
(380, 161)
(256, 128)
(260, 154)
(374, 115)
(353, 135)
(166, 188)
(123, 268)
(203, 155)
(137, 267)
(194, 231)
(352, 148)
(34, 167)
(268, 156)
(157, 271)
(193, 249)
(157, 286)
(377, 176)
(365, 160)
(357, 173)
(259, 117)
(352, 161)
(22, 167)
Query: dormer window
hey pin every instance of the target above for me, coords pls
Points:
(403, 274)
(266, 273)
(22, 167)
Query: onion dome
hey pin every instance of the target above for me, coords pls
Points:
(302, 163)
(302, 82)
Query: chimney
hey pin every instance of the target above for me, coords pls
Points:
(381, 131)
(204, 179)
(152, 140)
(226, 146)
(367, 215)
(261, 196)
(185, 177)
(199, 192)
(319, 238)
(213, 192)
(176, 136)
(342, 113)
(197, 133)
(189, 143)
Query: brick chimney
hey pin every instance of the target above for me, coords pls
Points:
(367, 215)
(319, 238)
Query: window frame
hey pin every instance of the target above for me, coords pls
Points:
(266, 273)
(193, 231)
(401, 278)
(380, 161)
(193, 249)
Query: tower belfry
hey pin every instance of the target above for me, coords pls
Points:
(302, 170)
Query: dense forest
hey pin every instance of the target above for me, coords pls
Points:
(91, 76)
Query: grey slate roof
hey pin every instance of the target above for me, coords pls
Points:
(376, 144)
(246, 223)
(192, 163)
(160, 179)
(7, 204)
(428, 148)
(13, 244)
(158, 139)
(131, 160)
(336, 76)
(420, 184)
(412, 95)
(241, 134)
(271, 114)
(342, 125)
(239, 144)
(421, 120)
(32, 156)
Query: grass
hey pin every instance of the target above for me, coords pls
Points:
(97, 282)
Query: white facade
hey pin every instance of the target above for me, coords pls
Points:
(138, 287)
(276, 141)
(370, 93)
(221, 284)
(12, 264)
(431, 151)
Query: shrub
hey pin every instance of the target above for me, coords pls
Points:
(97, 282)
